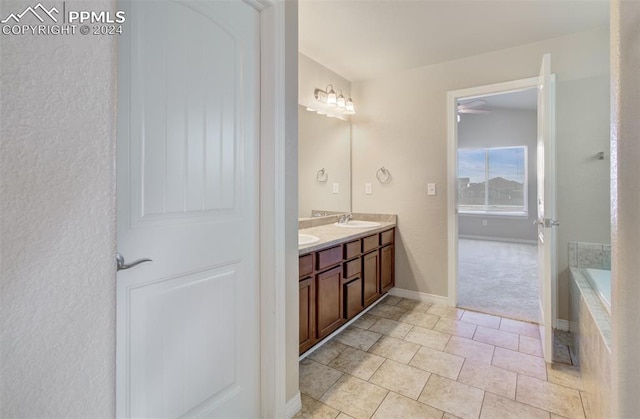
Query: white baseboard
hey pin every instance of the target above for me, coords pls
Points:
(497, 239)
(293, 406)
(562, 324)
(420, 296)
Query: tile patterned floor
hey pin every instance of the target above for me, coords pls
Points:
(406, 359)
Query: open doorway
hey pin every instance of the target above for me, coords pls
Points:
(497, 248)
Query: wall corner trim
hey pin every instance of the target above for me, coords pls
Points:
(420, 296)
(293, 406)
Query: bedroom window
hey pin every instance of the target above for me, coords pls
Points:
(492, 180)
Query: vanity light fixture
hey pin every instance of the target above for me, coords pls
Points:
(349, 107)
(332, 99)
(331, 104)
(341, 102)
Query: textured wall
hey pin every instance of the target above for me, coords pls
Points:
(58, 222)
(502, 128)
(625, 206)
(402, 124)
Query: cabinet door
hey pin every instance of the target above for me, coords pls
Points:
(307, 314)
(352, 298)
(328, 301)
(370, 276)
(387, 268)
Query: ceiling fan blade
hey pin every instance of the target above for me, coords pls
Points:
(465, 110)
(473, 103)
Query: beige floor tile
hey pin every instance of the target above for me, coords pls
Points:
(357, 363)
(585, 405)
(481, 319)
(396, 349)
(521, 328)
(561, 353)
(437, 362)
(395, 406)
(343, 415)
(450, 416)
(531, 346)
(358, 338)
(489, 378)
(391, 328)
(455, 327)
(328, 351)
(392, 300)
(452, 397)
(313, 409)
(417, 318)
(401, 378)
(388, 312)
(496, 337)
(355, 397)
(413, 305)
(365, 321)
(445, 311)
(428, 337)
(316, 378)
(496, 407)
(519, 362)
(470, 349)
(565, 375)
(551, 397)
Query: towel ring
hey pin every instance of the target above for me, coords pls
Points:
(383, 175)
(322, 175)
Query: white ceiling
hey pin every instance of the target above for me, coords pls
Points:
(364, 39)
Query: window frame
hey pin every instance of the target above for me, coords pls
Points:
(487, 210)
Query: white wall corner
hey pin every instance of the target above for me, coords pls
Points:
(293, 406)
(562, 324)
(419, 296)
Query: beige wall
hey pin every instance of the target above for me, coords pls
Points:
(57, 185)
(625, 206)
(402, 124)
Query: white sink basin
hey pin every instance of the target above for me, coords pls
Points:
(307, 239)
(358, 224)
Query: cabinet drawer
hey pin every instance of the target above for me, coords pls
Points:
(369, 243)
(329, 257)
(352, 249)
(386, 237)
(305, 265)
(352, 268)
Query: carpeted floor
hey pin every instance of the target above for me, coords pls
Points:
(498, 278)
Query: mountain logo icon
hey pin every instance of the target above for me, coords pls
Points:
(39, 11)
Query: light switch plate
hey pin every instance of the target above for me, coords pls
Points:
(367, 189)
(336, 188)
(431, 189)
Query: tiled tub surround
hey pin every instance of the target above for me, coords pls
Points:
(330, 234)
(591, 325)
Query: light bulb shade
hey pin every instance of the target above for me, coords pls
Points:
(340, 101)
(332, 99)
(349, 106)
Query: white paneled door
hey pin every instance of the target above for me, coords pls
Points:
(546, 206)
(188, 330)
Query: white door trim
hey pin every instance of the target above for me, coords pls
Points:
(272, 210)
(452, 164)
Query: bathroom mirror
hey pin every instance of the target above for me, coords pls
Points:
(324, 163)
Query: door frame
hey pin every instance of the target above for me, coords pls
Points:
(452, 164)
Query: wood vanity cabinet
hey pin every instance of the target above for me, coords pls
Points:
(338, 282)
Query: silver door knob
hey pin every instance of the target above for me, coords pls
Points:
(121, 265)
(547, 222)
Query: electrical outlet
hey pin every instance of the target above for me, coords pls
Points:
(367, 189)
(484, 222)
(336, 188)
(431, 189)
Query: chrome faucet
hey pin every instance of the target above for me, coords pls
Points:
(344, 218)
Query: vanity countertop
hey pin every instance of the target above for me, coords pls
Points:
(331, 234)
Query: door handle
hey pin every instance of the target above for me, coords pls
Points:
(121, 265)
(547, 222)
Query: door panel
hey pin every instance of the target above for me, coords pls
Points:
(387, 268)
(188, 124)
(546, 206)
(329, 301)
(371, 276)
